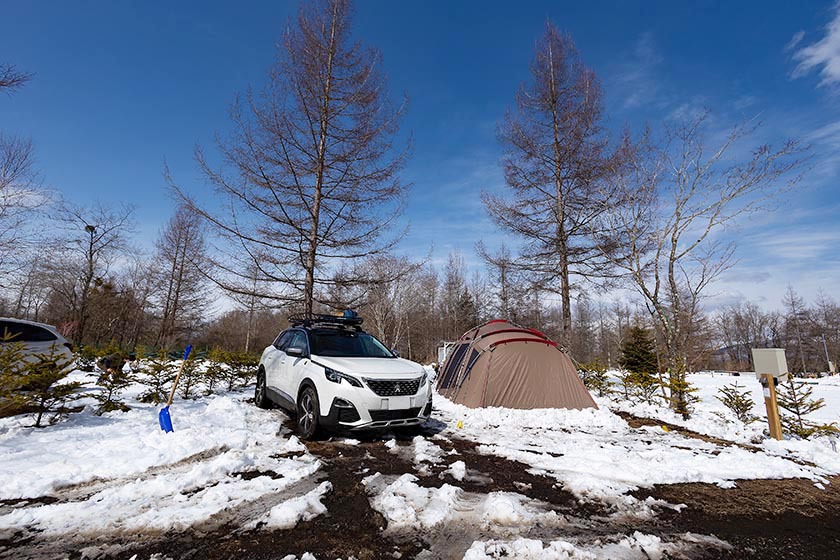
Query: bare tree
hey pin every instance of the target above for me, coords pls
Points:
(556, 161)
(677, 194)
(392, 298)
(20, 196)
(94, 239)
(741, 327)
(506, 276)
(182, 289)
(20, 193)
(11, 78)
(797, 314)
(310, 172)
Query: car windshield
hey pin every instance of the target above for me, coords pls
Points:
(347, 344)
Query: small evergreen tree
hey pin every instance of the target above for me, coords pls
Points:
(242, 370)
(86, 358)
(737, 398)
(638, 358)
(797, 400)
(189, 378)
(42, 388)
(638, 353)
(216, 368)
(595, 378)
(12, 374)
(679, 385)
(112, 382)
(157, 373)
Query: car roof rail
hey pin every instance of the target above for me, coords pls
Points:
(347, 319)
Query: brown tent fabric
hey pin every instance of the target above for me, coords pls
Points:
(502, 364)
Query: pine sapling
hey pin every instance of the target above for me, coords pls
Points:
(595, 378)
(638, 358)
(189, 378)
(12, 376)
(216, 368)
(43, 389)
(113, 382)
(158, 373)
(737, 398)
(797, 400)
(646, 387)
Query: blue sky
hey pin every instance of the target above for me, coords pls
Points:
(121, 86)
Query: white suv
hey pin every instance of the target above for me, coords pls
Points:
(37, 339)
(330, 373)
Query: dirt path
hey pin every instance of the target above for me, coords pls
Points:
(768, 519)
(761, 519)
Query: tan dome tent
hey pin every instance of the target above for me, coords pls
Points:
(502, 364)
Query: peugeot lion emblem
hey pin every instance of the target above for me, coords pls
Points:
(397, 387)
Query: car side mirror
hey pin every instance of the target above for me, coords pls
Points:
(296, 351)
(395, 352)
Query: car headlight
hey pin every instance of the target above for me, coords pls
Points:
(423, 380)
(337, 376)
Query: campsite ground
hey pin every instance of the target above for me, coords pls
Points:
(233, 482)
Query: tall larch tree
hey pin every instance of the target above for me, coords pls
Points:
(556, 159)
(310, 172)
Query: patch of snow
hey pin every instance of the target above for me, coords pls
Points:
(638, 545)
(458, 470)
(596, 455)
(405, 504)
(302, 508)
(122, 472)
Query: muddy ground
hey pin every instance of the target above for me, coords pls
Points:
(762, 519)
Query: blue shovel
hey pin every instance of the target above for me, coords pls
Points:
(163, 417)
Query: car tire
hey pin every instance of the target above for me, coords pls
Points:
(260, 394)
(308, 412)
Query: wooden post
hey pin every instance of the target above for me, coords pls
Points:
(772, 406)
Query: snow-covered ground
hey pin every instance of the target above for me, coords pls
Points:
(230, 463)
(120, 472)
(596, 455)
(826, 388)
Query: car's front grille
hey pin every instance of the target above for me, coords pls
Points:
(388, 388)
(382, 415)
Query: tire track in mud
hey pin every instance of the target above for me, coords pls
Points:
(581, 523)
(349, 527)
(352, 527)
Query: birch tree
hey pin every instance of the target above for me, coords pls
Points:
(309, 174)
(679, 193)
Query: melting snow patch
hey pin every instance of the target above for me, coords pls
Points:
(422, 453)
(302, 508)
(597, 456)
(405, 504)
(639, 546)
(122, 472)
(458, 470)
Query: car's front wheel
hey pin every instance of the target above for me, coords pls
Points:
(260, 394)
(307, 414)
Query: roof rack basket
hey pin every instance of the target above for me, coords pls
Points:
(348, 319)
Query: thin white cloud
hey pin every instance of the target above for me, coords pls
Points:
(796, 247)
(795, 40)
(823, 55)
(637, 79)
